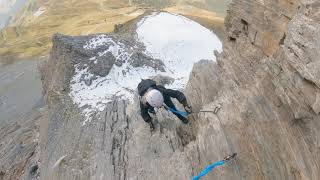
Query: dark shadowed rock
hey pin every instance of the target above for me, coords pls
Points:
(139, 60)
(163, 80)
(102, 65)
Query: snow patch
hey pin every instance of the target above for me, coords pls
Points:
(179, 42)
(176, 40)
(117, 49)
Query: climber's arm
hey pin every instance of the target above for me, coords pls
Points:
(144, 113)
(176, 94)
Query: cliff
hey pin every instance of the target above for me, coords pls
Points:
(265, 87)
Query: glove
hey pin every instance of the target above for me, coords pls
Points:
(151, 126)
(188, 108)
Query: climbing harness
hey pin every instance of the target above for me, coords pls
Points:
(212, 166)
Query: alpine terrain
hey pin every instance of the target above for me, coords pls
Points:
(254, 91)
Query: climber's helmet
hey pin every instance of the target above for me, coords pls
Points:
(154, 98)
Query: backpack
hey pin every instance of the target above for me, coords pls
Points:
(144, 85)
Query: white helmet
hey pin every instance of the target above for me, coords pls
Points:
(154, 98)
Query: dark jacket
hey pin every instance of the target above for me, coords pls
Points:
(144, 85)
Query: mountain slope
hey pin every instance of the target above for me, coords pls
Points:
(30, 31)
(119, 141)
(264, 87)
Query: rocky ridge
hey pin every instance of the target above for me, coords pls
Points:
(265, 87)
(114, 133)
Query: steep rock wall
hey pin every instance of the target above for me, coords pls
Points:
(265, 85)
(116, 143)
(269, 98)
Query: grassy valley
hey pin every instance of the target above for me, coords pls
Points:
(29, 34)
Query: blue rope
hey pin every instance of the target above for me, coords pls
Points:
(185, 114)
(208, 169)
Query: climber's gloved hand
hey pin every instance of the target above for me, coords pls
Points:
(188, 108)
(151, 126)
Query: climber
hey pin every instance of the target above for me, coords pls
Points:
(155, 96)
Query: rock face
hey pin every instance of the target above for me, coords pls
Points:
(21, 111)
(20, 148)
(269, 75)
(264, 86)
(116, 143)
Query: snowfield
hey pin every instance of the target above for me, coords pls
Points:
(177, 41)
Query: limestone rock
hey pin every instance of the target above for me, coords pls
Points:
(103, 65)
(139, 60)
(265, 83)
